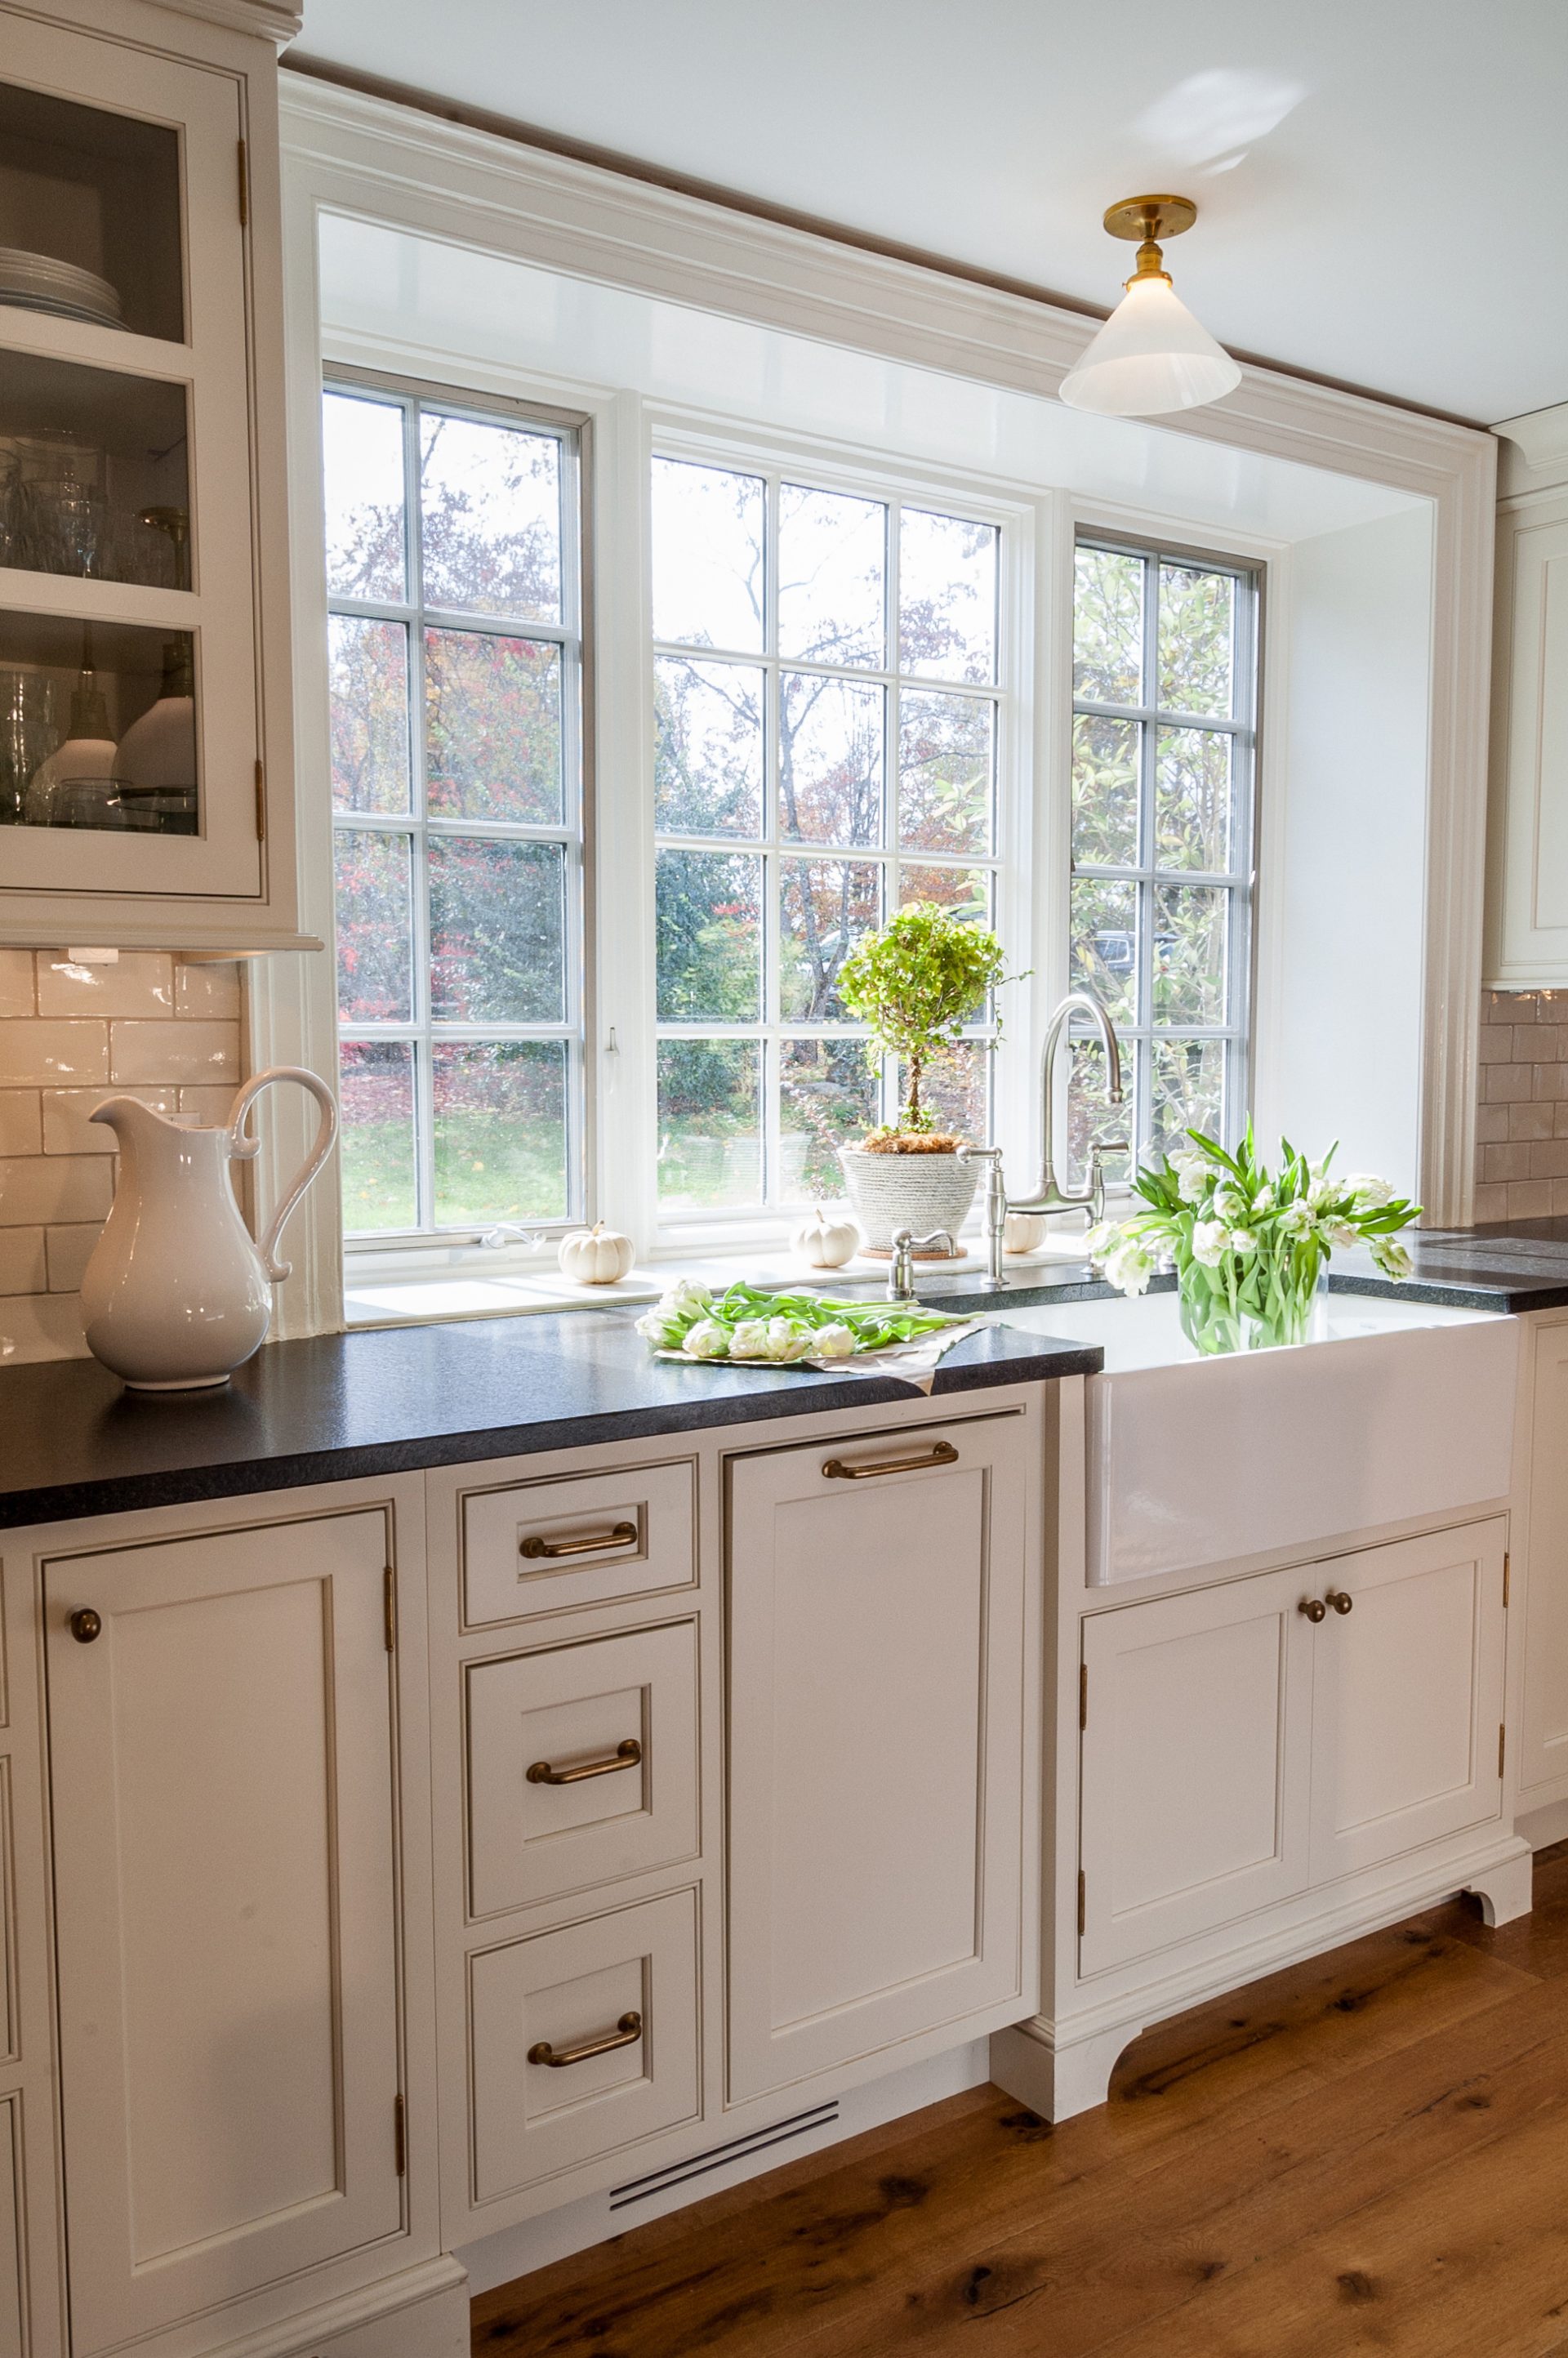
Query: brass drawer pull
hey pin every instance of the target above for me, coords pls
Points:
(1313, 1607)
(626, 2033)
(625, 1755)
(1340, 1602)
(941, 1453)
(618, 1535)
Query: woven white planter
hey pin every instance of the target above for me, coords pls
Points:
(918, 1192)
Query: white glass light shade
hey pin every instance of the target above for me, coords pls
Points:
(159, 750)
(1150, 356)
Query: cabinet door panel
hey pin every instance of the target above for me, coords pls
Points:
(1407, 1697)
(573, 1706)
(223, 1777)
(1530, 789)
(1194, 1764)
(877, 1687)
(1545, 1757)
(548, 1547)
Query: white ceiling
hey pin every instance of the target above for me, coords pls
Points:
(1378, 181)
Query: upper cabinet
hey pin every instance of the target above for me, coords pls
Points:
(1526, 899)
(145, 788)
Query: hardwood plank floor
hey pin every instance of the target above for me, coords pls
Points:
(1368, 2153)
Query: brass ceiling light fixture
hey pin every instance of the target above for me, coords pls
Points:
(1152, 356)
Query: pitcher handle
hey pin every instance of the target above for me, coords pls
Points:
(243, 1146)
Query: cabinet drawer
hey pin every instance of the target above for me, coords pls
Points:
(543, 1547)
(582, 1766)
(630, 1977)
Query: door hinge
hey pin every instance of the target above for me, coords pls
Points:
(1502, 1747)
(261, 803)
(399, 2138)
(1083, 1901)
(1507, 1560)
(244, 165)
(389, 1608)
(1083, 1696)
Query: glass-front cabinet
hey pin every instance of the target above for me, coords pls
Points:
(144, 757)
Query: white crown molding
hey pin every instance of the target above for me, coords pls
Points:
(1534, 454)
(366, 156)
(275, 21)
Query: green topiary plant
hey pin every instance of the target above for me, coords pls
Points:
(916, 983)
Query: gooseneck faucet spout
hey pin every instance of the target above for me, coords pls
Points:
(1047, 1195)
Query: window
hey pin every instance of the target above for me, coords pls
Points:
(1163, 757)
(829, 708)
(453, 579)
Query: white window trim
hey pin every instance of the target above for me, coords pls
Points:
(348, 153)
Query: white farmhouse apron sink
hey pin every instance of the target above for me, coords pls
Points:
(1400, 1409)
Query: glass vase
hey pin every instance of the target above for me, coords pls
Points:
(1218, 1316)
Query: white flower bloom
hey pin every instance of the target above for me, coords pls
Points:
(1242, 1241)
(1370, 1192)
(1129, 1266)
(709, 1340)
(663, 1332)
(1338, 1233)
(1321, 1191)
(1391, 1258)
(1229, 1204)
(1208, 1242)
(834, 1342)
(1296, 1219)
(1193, 1173)
(1263, 1201)
(751, 1339)
(1102, 1240)
(685, 1294)
(788, 1341)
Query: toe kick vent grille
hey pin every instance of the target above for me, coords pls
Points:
(722, 2156)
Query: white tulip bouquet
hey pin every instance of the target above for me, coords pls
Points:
(1248, 1244)
(749, 1323)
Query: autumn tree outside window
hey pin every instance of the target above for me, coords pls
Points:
(1164, 759)
(831, 691)
(455, 658)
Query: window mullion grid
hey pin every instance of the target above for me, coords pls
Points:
(1148, 743)
(425, 1076)
(893, 777)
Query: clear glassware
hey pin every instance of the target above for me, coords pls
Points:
(28, 734)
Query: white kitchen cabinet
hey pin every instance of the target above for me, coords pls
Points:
(1245, 1743)
(146, 791)
(584, 2043)
(582, 1766)
(1544, 1755)
(222, 1768)
(1527, 880)
(1195, 1713)
(879, 1684)
(1407, 1697)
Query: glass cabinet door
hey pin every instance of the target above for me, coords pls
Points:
(129, 734)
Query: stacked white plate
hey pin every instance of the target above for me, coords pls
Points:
(37, 282)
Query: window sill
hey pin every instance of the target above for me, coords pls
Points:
(411, 1300)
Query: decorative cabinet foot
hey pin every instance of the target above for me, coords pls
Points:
(1505, 1891)
(1058, 2081)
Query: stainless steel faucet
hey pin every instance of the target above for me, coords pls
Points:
(1047, 1195)
(900, 1275)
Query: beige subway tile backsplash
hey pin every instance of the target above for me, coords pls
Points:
(1521, 1121)
(141, 982)
(193, 1052)
(73, 1031)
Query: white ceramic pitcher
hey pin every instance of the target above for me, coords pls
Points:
(176, 1296)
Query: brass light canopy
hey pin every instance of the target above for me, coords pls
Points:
(1152, 356)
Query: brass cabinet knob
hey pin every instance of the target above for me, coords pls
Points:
(84, 1625)
(1313, 1607)
(1340, 1602)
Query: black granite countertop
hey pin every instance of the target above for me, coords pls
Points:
(72, 1441)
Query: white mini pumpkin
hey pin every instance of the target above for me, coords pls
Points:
(596, 1256)
(822, 1242)
(1026, 1231)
